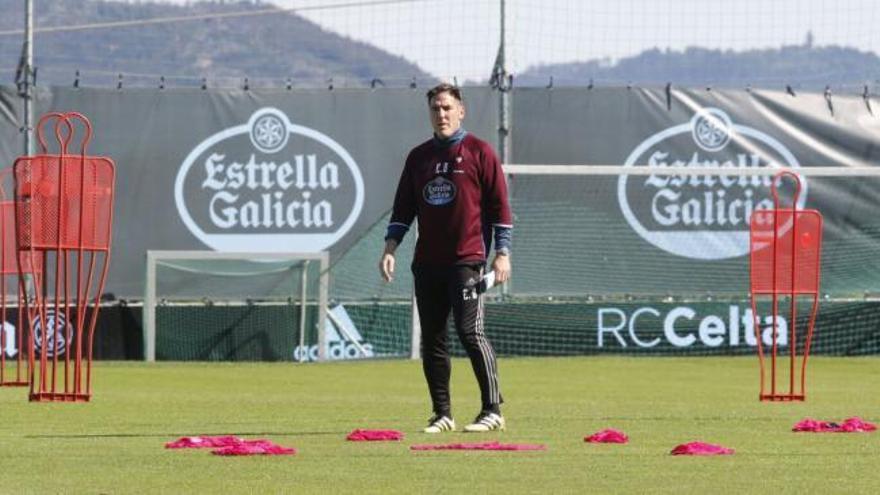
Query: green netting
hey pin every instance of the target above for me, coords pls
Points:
(381, 312)
(576, 257)
(184, 280)
(571, 239)
(574, 328)
(581, 273)
(236, 309)
(233, 332)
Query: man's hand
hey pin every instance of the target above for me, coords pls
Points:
(386, 267)
(386, 263)
(501, 266)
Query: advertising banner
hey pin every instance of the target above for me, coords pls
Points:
(310, 170)
(235, 170)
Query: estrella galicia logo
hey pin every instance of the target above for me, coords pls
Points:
(269, 185)
(702, 216)
(439, 191)
(711, 129)
(269, 132)
(56, 342)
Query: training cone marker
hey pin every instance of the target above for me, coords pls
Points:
(700, 448)
(480, 446)
(206, 442)
(255, 447)
(849, 425)
(609, 435)
(374, 435)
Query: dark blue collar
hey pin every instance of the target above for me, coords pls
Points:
(453, 139)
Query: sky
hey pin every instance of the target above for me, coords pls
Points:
(460, 38)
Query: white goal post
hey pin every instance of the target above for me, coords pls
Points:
(156, 256)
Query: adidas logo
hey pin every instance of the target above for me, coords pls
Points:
(338, 345)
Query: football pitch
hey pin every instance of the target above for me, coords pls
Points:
(115, 444)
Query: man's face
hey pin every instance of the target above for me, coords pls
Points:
(446, 114)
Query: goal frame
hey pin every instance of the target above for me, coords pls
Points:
(154, 256)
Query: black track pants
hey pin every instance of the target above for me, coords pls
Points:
(440, 289)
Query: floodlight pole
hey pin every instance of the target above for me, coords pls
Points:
(502, 81)
(27, 74)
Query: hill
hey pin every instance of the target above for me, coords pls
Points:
(268, 48)
(802, 66)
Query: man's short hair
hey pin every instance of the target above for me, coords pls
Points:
(455, 91)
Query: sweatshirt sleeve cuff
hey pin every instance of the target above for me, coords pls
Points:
(503, 238)
(396, 231)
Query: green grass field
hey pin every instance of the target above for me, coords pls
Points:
(115, 443)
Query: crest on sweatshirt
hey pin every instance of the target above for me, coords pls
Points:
(439, 191)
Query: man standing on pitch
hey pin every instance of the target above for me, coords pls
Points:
(454, 184)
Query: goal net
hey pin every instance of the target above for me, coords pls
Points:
(210, 306)
(638, 259)
(606, 259)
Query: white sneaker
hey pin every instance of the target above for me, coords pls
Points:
(439, 424)
(486, 422)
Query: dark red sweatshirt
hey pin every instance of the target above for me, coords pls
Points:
(458, 192)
